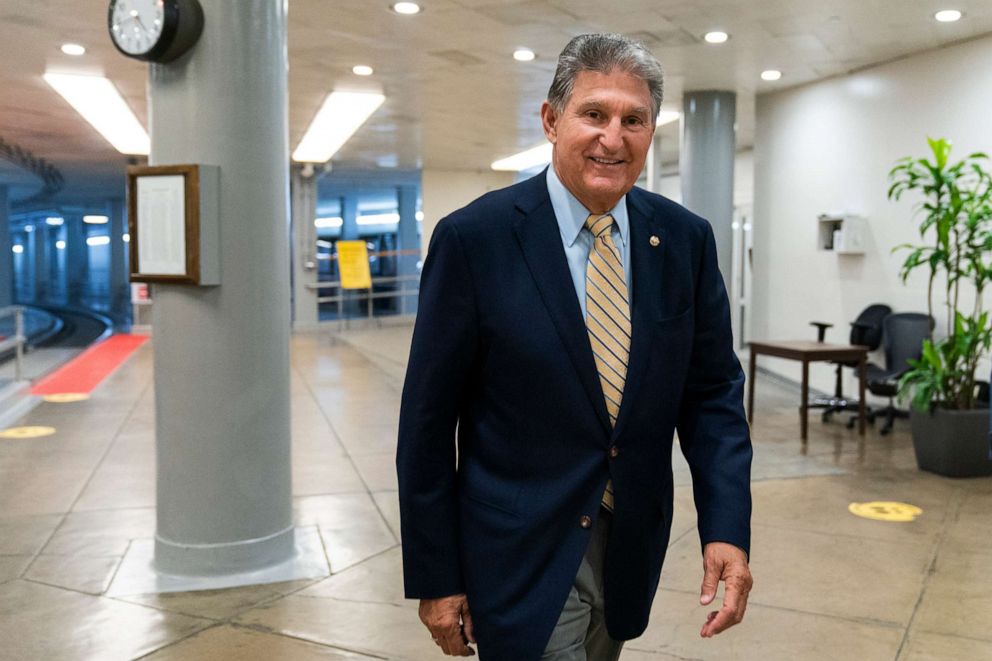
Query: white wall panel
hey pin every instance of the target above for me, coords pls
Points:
(828, 147)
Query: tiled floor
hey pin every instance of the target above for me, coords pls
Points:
(828, 585)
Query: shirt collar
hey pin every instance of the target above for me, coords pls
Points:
(572, 214)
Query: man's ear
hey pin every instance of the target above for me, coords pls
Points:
(549, 121)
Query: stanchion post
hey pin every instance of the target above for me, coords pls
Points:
(19, 336)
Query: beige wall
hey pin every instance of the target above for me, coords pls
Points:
(828, 147)
(445, 191)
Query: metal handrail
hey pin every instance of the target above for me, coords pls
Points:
(379, 253)
(375, 281)
(16, 342)
(365, 293)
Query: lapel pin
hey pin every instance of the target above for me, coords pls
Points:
(655, 241)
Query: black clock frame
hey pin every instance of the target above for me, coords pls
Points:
(182, 24)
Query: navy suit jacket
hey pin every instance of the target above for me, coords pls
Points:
(500, 354)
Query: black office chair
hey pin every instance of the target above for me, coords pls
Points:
(866, 330)
(982, 393)
(903, 336)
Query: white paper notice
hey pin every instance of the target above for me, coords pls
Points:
(162, 225)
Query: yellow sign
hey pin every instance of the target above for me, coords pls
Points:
(27, 432)
(66, 397)
(885, 511)
(353, 260)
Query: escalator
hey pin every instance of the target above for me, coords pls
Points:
(79, 328)
(39, 326)
(54, 336)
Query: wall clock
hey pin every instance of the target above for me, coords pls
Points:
(154, 30)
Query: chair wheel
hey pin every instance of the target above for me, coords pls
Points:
(885, 431)
(851, 423)
(825, 416)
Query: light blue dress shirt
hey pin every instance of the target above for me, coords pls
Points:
(571, 215)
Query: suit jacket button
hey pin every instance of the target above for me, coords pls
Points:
(614, 452)
(585, 522)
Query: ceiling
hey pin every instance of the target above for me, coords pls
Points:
(455, 97)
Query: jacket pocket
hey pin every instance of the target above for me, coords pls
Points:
(478, 485)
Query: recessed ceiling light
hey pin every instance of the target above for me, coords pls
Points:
(54, 221)
(95, 220)
(73, 49)
(17, 249)
(948, 15)
(100, 104)
(60, 245)
(362, 70)
(523, 55)
(98, 241)
(408, 8)
(716, 37)
(771, 74)
(340, 116)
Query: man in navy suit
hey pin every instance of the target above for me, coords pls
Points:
(568, 326)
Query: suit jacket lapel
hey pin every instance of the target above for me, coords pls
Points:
(540, 240)
(647, 262)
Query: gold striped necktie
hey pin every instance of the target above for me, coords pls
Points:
(607, 318)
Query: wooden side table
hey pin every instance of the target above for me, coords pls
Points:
(810, 352)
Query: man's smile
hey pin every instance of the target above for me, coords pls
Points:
(606, 161)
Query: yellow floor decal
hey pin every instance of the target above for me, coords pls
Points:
(27, 432)
(66, 397)
(885, 511)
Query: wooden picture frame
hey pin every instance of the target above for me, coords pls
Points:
(188, 225)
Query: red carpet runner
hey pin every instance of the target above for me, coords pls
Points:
(87, 370)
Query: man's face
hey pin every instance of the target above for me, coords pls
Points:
(602, 136)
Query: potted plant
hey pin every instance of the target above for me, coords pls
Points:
(950, 427)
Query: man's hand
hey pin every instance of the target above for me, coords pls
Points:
(450, 623)
(727, 563)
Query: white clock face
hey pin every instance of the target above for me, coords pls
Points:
(136, 25)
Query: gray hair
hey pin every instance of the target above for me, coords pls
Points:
(605, 53)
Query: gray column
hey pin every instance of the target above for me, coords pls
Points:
(55, 285)
(77, 258)
(6, 256)
(652, 168)
(120, 293)
(304, 247)
(224, 498)
(707, 166)
(38, 242)
(408, 239)
(349, 218)
(59, 264)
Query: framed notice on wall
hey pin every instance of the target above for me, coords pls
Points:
(171, 220)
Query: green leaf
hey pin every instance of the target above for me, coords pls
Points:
(956, 202)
